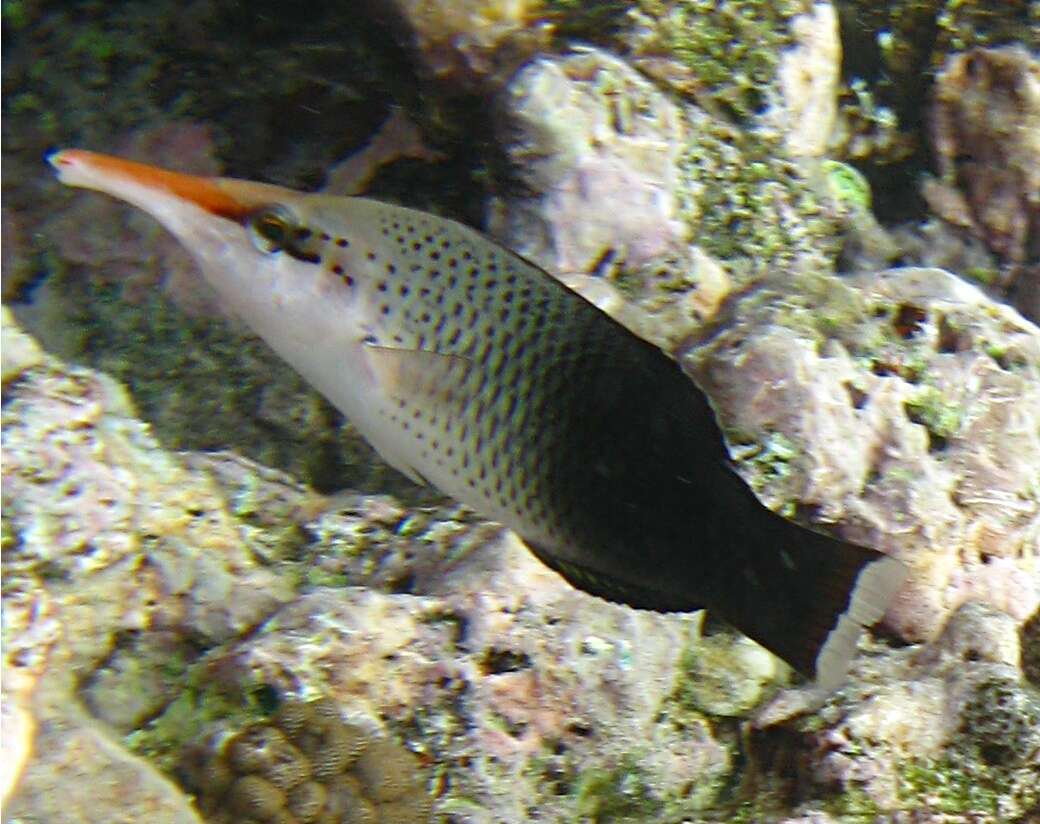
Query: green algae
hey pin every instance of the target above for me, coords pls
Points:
(847, 184)
(16, 13)
(723, 54)
(622, 794)
(747, 204)
(751, 208)
(956, 785)
(732, 49)
(768, 458)
(935, 411)
(201, 703)
(986, 275)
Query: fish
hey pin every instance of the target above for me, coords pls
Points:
(474, 371)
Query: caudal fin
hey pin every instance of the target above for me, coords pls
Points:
(807, 597)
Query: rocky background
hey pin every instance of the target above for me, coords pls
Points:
(219, 605)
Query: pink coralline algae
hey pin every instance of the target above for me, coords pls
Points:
(596, 147)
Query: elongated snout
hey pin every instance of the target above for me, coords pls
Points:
(144, 185)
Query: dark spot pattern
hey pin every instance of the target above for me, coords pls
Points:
(503, 424)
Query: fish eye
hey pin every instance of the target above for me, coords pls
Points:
(270, 228)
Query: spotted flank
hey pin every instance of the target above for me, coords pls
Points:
(473, 371)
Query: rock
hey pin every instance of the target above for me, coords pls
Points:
(494, 660)
(176, 598)
(595, 147)
(975, 633)
(71, 450)
(726, 55)
(985, 130)
(728, 674)
(526, 694)
(809, 75)
(19, 351)
(469, 43)
(120, 564)
(503, 667)
(900, 405)
(78, 775)
(18, 728)
(951, 729)
(610, 180)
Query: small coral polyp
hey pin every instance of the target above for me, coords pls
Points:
(306, 765)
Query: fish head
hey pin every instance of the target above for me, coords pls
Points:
(292, 265)
(252, 241)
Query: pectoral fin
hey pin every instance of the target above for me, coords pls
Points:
(430, 380)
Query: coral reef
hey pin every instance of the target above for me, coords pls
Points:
(525, 697)
(306, 764)
(901, 405)
(491, 664)
(689, 169)
(513, 682)
(109, 546)
(494, 666)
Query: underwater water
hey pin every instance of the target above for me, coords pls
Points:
(257, 463)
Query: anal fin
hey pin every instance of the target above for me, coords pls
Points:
(606, 586)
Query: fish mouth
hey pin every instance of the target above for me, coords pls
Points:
(141, 183)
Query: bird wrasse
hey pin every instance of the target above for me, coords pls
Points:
(472, 370)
